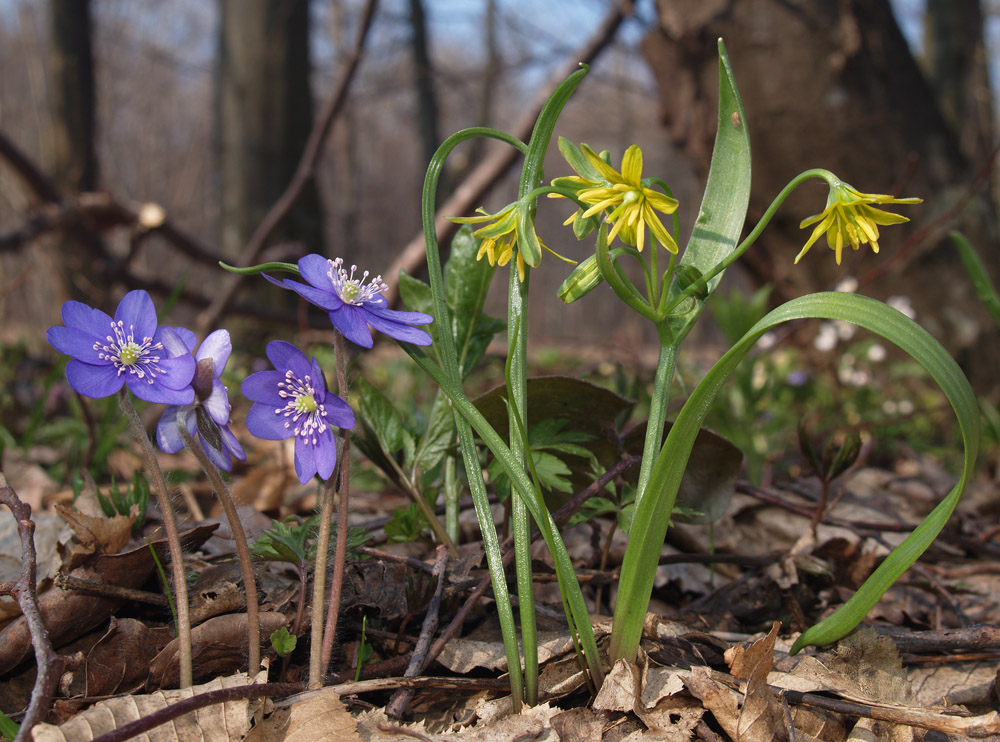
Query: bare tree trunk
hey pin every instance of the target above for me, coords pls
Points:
(427, 109)
(956, 66)
(834, 85)
(72, 63)
(37, 280)
(265, 114)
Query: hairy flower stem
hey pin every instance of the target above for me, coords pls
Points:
(239, 537)
(173, 537)
(319, 585)
(340, 555)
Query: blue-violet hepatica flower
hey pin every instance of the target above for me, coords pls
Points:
(292, 401)
(207, 418)
(353, 304)
(128, 350)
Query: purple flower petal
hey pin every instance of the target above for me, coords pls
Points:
(168, 437)
(92, 381)
(351, 322)
(315, 269)
(177, 341)
(75, 342)
(395, 315)
(217, 403)
(156, 392)
(318, 380)
(217, 346)
(90, 320)
(286, 356)
(220, 459)
(136, 311)
(263, 387)
(398, 331)
(264, 422)
(325, 299)
(176, 372)
(338, 412)
(231, 444)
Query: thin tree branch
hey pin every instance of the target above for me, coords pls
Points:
(400, 701)
(478, 183)
(303, 173)
(49, 666)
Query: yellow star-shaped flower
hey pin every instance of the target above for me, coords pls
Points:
(850, 218)
(631, 206)
(499, 237)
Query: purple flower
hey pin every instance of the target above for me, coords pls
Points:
(352, 304)
(292, 401)
(125, 350)
(207, 418)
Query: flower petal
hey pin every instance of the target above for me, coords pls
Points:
(324, 299)
(136, 310)
(178, 371)
(175, 340)
(217, 403)
(93, 381)
(401, 332)
(632, 165)
(305, 461)
(314, 269)
(157, 392)
(219, 458)
(168, 437)
(75, 342)
(338, 412)
(262, 387)
(217, 346)
(264, 423)
(286, 356)
(352, 323)
(80, 316)
(231, 444)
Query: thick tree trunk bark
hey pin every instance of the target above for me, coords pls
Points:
(265, 115)
(834, 85)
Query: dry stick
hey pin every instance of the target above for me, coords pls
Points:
(49, 666)
(172, 534)
(239, 536)
(490, 170)
(340, 556)
(400, 700)
(305, 170)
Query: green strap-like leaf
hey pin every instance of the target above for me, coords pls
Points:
(653, 513)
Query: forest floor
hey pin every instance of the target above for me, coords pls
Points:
(727, 606)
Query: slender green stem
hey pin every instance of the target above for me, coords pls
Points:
(173, 537)
(451, 498)
(452, 377)
(658, 403)
(751, 238)
(340, 555)
(239, 537)
(516, 373)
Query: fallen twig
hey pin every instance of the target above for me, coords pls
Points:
(48, 664)
(400, 700)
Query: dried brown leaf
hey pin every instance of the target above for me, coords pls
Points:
(219, 723)
(106, 535)
(218, 647)
(761, 714)
(578, 725)
(318, 716)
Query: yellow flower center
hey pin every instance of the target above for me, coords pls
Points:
(129, 354)
(305, 403)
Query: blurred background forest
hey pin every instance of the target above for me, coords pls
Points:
(142, 141)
